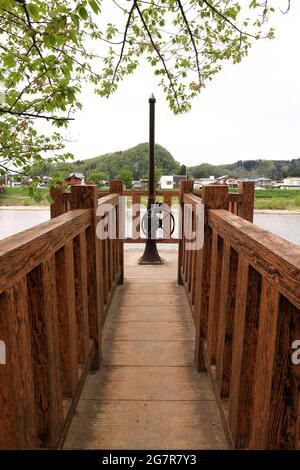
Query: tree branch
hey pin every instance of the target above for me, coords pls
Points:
(213, 8)
(192, 38)
(158, 53)
(32, 115)
(124, 41)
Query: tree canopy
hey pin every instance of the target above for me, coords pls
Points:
(126, 176)
(49, 49)
(97, 177)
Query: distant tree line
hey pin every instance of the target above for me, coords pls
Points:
(274, 169)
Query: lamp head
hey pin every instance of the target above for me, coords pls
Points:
(152, 99)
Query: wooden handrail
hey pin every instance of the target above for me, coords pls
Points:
(112, 199)
(275, 258)
(22, 252)
(191, 199)
(56, 283)
(141, 193)
(254, 323)
(247, 315)
(237, 202)
(40, 380)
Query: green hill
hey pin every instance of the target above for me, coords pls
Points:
(134, 160)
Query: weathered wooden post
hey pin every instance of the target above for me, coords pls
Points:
(58, 205)
(186, 187)
(66, 311)
(18, 420)
(86, 197)
(117, 187)
(246, 206)
(213, 197)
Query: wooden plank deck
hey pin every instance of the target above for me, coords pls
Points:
(147, 394)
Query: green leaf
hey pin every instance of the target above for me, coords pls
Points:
(33, 11)
(76, 20)
(94, 6)
(9, 61)
(66, 72)
(69, 62)
(49, 40)
(82, 12)
(7, 4)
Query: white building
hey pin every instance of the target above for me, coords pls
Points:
(170, 181)
(292, 182)
(263, 182)
(166, 182)
(136, 184)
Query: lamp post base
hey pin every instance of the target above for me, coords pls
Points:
(150, 255)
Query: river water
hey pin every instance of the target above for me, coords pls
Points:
(285, 225)
(13, 221)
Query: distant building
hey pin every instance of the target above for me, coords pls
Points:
(75, 179)
(199, 183)
(140, 184)
(136, 184)
(233, 183)
(144, 183)
(292, 182)
(45, 181)
(170, 181)
(259, 183)
(177, 179)
(226, 179)
(16, 184)
(222, 179)
(166, 182)
(263, 182)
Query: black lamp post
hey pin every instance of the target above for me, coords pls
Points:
(151, 255)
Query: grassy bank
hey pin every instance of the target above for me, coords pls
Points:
(21, 197)
(277, 199)
(265, 199)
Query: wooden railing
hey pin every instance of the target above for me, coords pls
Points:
(135, 197)
(213, 197)
(240, 203)
(53, 303)
(247, 316)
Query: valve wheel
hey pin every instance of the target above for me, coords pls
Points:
(159, 215)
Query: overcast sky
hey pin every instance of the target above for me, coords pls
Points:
(249, 111)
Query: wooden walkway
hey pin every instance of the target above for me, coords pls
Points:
(147, 394)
